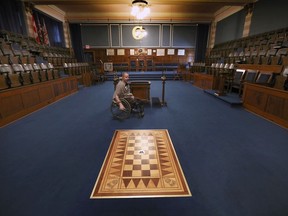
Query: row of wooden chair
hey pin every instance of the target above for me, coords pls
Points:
(13, 53)
(259, 49)
(23, 43)
(217, 69)
(17, 75)
(242, 76)
(75, 69)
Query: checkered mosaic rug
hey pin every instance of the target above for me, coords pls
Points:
(141, 163)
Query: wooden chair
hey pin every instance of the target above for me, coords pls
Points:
(34, 75)
(266, 60)
(149, 63)
(37, 74)
(133, 65)
(25, 76)
(237, 80)
(252, 57)
(141, 64)
(250, 77)
(258, 58)
(56, 74)
(46, 71)
(14, 78)
(277, 59)
(4, 82)
(265, 78)
(4, 59)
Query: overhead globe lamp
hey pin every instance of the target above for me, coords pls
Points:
(140, 9)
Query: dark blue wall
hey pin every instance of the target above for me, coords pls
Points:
(120, 35)
(269, 15)
(230, 28)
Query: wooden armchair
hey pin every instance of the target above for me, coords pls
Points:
(25, 76)
(14, 78)
(250, 77)
(237, 80)
(4, 82)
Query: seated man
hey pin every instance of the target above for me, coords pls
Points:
(123, 91)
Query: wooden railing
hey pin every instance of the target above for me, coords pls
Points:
(267, 102)
(18, 102)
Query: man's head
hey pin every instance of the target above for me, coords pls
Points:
(125, 77)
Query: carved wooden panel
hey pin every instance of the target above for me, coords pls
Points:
(268, 102)
(204, 81)
(18, 102)
(10, 104)
(30, 98)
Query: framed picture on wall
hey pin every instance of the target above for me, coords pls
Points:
(181, 52)
(110, 52)
(149, 51)
(108, 66)
(132, 52)
(120, 51)
(170, 51)
(160, 52)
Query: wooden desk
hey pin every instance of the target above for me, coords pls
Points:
(141, 89)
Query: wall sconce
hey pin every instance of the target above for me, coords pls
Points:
(140, 9)
(139, 32)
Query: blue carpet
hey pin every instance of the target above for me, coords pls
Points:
(232, 98)
(235, 162)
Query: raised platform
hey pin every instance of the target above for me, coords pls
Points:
(145, 75)
(231, 98)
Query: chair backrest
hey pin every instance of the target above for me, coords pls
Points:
(6, 68)
(247, 53)
(43, 66)
(51, 66)
(283, 51)
(254, 53)
(149, 63)
(28, 67)
(36, 66)
(18, 68)
(238, 75)
(251, 75)
(264, 78)
(141, 63)
(285, 71)
(133, 63)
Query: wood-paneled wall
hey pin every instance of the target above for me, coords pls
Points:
(99, 55)
(270, 103)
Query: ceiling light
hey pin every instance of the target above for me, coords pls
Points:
(140, 9)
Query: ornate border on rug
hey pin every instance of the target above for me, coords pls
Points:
(139, 164)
